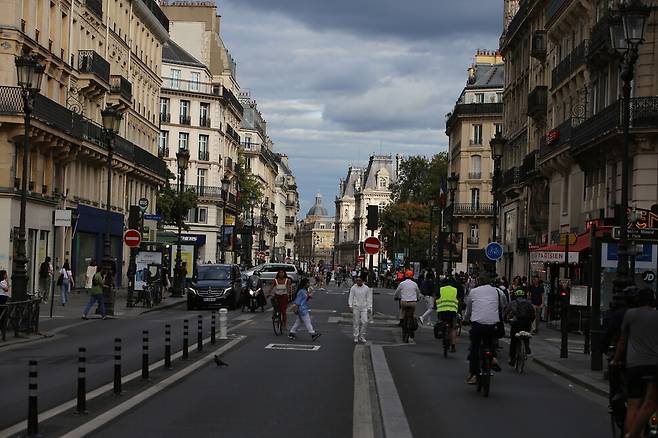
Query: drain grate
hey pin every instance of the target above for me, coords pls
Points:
(298, 347)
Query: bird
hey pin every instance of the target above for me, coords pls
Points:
(220, 363)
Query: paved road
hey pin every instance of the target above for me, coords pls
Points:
(265, 393)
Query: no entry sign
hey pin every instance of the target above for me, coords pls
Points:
(132, 238)
(372, 245)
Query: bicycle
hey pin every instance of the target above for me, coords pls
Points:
(408, 325)
(521, 354)
(277, 318)
(441, 332)
(484, 378)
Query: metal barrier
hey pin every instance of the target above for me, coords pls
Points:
(19, 317)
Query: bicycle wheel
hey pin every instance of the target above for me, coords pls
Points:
(520, 357)
(486, 384)
(276, 323)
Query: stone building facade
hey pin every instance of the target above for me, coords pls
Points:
(315, 237)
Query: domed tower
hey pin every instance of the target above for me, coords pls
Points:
(317, 210)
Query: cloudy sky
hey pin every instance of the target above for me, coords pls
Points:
(338, 80)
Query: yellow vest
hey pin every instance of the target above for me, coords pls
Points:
(448, 301)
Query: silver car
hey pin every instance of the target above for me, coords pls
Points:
(267, 271)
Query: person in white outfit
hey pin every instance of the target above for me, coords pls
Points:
(360, 303)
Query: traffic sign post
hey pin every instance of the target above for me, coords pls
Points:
(132, 238)
(372, 245)
(494, 251)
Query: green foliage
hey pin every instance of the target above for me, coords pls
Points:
(251, 190)
(173, 207)
(420, 178)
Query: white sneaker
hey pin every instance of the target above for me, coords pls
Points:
(362, 339)
(356, 340)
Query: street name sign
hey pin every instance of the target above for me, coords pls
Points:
(153, 217)
(132, 238)
(62, 218)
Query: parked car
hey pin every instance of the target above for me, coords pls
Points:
(215, 286)
(267, 271)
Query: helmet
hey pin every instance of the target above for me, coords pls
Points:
(519, 293)
(409, 274)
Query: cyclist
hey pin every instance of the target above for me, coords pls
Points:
(408, 293)
(428, 288)
(482, 310)
(281, 289)
(639, 342)
(522, 313)
(447, 306)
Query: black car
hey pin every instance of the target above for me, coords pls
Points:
(215, 286)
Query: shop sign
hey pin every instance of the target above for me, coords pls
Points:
(62, 218)
(229, 219)
(553, 257)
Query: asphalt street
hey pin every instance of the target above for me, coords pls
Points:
(269, 392)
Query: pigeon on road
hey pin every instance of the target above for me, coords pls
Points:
(220, 363)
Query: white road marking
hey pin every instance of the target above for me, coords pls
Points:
(393, 416)
(244, 317)
(113, 413)
(362, 422)
(334, 319)
(43, 416)
(298, 347)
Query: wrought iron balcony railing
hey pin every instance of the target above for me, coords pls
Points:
(204, 155)
(185, 119)
(473, 209)
(91, 62)
(538, 102)
(204, 122)
(121, 86)
(232, 100)
(165, 117)
(570, 63)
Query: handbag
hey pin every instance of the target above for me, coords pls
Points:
(60, 279)
(500, 325)
(295, 309)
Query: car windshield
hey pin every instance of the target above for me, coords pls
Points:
(214, 272)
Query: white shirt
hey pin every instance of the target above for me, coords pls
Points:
(482, 304)
(408, 291)
(360, 297)
(4, 287)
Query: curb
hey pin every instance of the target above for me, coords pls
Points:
(562, 373)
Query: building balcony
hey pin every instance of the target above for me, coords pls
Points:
(204, 155)
(185, 119)
(529, 166)
(538, 102)
(190, 86)
(600, 51)
(121, 87)
(94, 71)
(232, 101)
(473, 209)
(538, 47)
(165, 117)
(511, 178)
(232, 133)
(474, 175)
(473, 109)
(290, 220)
(570, 64)
(154, 8)
(556, 138)
(473, 241)
(204, 122)
(290, 236)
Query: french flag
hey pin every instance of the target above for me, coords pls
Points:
(443, 189)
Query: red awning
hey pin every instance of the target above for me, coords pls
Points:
(582, 244)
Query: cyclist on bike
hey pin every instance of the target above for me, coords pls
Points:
(447, 306)
(408, 293)
(522, 313)
(482, 310)
(638, 341)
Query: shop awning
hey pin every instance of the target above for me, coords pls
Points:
(555, 253)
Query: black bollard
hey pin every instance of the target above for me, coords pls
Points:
(199, 334)
(185, 340)
(167, 355)
(117, 366)
(145, 354)
(212, 327)
(82, 384)
(32, 406)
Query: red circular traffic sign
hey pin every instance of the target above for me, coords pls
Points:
(372, 245)
(132, 238)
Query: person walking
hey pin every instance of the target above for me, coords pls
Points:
(537, 299)
(360, 303)
(65, 282)
(428, 289)
(96, 295)
(302, 310)
(4, 287)
(45, 279)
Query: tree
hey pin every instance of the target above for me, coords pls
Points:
(420, 178)
(172, 207)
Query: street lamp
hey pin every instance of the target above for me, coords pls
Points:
(275, 229)
(111, 116)
(497, 145)
(182, 160)
(29, 72)
(222, 244)
(453, 181)
(626, 34)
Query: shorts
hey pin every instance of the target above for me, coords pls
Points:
(637, 379)
(449, 318)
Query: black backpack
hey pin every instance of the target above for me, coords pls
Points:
(44, 270)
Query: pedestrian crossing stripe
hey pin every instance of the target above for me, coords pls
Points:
(298, 347)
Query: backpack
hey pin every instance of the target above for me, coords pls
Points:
(525, 310)
(44, 270)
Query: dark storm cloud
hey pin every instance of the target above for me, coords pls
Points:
(410, 19)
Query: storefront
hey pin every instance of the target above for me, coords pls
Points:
(191, 248)
(88, 241)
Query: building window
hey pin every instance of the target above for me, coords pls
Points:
(164, 109)
(498, 128)
(475, 198)
(204, 155)
(201, 215)
(204, 115)
(247, 163)
(476, 167)
(185, 112)
(201, 177)
(477, 134)
(164, 143)
(194, 81)
(175, 79)
(474, 234)
(183, 140)
(479, 97)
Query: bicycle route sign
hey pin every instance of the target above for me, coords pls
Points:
(494, 251)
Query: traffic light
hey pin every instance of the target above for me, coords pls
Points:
(564, 296)
(134, 218)
(372, 217)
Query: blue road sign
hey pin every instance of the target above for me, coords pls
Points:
(494, 251)
(153, 217)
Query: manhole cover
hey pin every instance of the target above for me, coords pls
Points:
(298, 347)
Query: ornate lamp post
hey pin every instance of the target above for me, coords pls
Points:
(626, 34)
(29, 72)
(453, 181)
(497, 145)
(182, 160)
(275, 221)
(222, 244)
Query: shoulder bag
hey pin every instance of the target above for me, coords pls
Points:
(500, 325)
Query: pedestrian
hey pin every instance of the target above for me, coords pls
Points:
(537, 299)
(96, 295)
(360, 303)
(89, 274)
(4, 287)
(281, 289)
(45, 279)
(428, 288)
(65, 282)
(302, 310)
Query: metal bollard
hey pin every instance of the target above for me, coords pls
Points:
(32, 409)
(199, 334)
(167, 355)
(212, 327)
(117, 366)
(82, 384)
(145, 354)
(223, 313)
(185, 340)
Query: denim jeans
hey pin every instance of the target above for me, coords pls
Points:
(64, 290)
(481, 334)
(98, 298)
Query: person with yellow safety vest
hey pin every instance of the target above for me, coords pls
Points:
(447, 306)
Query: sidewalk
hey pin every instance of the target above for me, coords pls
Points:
(546, 352)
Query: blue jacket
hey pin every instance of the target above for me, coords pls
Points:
(302, 301)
